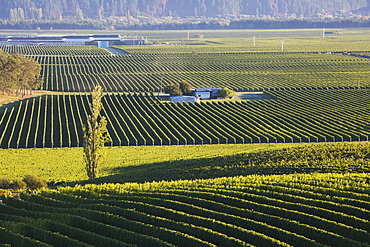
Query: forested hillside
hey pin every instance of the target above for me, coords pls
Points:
(101, 9)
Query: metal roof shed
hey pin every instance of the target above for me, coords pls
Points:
(185, 99)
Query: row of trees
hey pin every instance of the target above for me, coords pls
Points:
(176, 89)
(101, 9)
(184, 24)
(18, 74)
(28, 182)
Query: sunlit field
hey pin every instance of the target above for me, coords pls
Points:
(286, 162)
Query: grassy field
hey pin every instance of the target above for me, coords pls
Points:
(145, 164)
(16, 163)
(295, 40)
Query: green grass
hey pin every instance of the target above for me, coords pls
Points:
(66, 164)
(141, 164)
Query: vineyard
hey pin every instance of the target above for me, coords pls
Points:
(241, 72)
(300, 179)
(216, 63)
(285, 210)
(54, 50)
(138, 119)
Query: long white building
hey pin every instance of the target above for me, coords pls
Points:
(102, 40)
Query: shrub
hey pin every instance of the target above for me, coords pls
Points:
(18, 185)
(227, 93)
(173, 89)
(34, 182)
(185, 87)
(4, 183)
(199, 36)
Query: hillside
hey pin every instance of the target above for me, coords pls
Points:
(99, 9)
(293, 210)
(304, 208)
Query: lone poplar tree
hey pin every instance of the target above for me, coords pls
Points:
(95, 135)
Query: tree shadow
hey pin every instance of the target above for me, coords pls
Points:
(189, 169)
(10, 104)
(169, 170)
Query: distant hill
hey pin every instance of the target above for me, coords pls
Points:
(103, 9)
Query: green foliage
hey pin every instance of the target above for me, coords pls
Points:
(30, 181)
(16, 163)
(173, 89)
(182, 88)
(214, 66)
(50, 50)
(11, 238)
(143, 120)
(4, 183)
(95, 135)
(315, 209)
(155, 163)
(317, 195)
(18, 185)
(185, 87)
(34, 182)
(227, 93)
(225, 60)
(18, 72)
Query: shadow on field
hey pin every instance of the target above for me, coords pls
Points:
(226, 166)
(334, 158)
(171, 170)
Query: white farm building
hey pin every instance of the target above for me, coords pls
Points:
(101, 40)
(185, 99)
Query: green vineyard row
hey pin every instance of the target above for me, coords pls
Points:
(54, 50)
(284, 210)
(241, 72)
(137, 119)
(81, 68)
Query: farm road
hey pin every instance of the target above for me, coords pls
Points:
(116, 51)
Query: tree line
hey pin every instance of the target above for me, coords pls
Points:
(185, 24)
(104, 9)
(18, 74)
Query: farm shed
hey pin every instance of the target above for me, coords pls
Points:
(186, 99)
(103, 44)
(213, 92)
(101, 40)
(203, 95)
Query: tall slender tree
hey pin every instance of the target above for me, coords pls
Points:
(95, 135)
